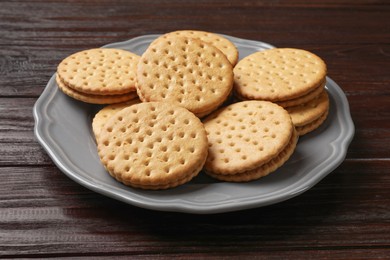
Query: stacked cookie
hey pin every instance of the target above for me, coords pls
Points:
(102, 116)
(99, 76)
(248, 140)
(291, 78)
(221, 43)
(185, 71)
(158, 141)
(153, 145)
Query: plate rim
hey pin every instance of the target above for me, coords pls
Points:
(345, 137)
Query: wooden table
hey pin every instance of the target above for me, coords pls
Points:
(45, 214)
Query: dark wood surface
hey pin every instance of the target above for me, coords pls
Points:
(45, 214)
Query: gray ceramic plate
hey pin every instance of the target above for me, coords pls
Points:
(63, 128)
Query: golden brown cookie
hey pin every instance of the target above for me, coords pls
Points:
(245, 136)
(295, 101)
(95, 99)
(303, 99)
(102, 116)
(101, 71)
(309, 116)
(186, 72)
(223, 44)
(154, 145)
(302, 130)
(278, 74)
(266, 168)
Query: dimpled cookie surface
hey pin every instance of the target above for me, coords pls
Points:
(245, 135)
(153, 145)
(100, 71)
(278, 74)
(186, 72)
(223, 44)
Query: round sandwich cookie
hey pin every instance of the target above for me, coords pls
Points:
(309, 116)
(224, 45)
(303, 99)
(302, 130)
(153, 145)
(102, 116)
(186, 72)
(248, 140)
(95, 99)
(100, 71)
(279, 74)
(295, 101)
(264, 169)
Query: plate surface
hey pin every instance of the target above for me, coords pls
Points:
(63, 128)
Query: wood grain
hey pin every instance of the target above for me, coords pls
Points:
(45, 214)
(63, 217)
